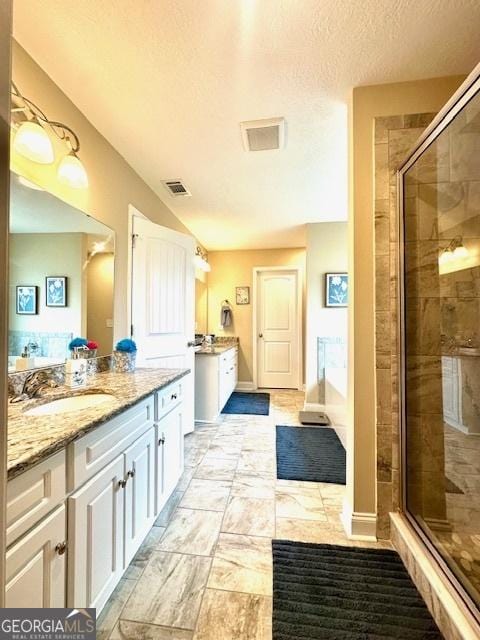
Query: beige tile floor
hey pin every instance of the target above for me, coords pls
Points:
(205, 570)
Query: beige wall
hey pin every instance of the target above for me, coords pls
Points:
(327, 252)
(35, 256)
(366, 104)
(232, 269)
(100, 301)
(113, 183)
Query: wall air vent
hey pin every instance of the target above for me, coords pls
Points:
(263, 135)
(176, 188)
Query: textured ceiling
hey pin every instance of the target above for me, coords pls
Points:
(168, 81)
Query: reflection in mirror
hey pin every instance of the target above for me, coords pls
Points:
(61, 278)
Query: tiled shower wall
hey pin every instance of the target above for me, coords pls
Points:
(394, 136)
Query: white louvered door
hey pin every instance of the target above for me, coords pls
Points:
(163, 302)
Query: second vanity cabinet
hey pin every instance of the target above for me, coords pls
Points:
(101, 496)
(216, 376)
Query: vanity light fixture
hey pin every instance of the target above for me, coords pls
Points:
(456, 250)
(200, 260)
(460, 251)
(32, 140)
(71, 172)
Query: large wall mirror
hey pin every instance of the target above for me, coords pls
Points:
(60, 281)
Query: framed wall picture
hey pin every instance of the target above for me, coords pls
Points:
(27, 300)
(56, 291)
(242, 295)
(336, 289)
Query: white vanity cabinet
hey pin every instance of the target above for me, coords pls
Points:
(216, 377)
(76, 519)
(96, 536)
(139, 492)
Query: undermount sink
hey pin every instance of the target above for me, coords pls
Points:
(72, 403)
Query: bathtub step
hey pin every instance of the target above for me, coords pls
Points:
(313, 417)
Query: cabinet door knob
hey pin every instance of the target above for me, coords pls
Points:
(122, 484)
(60, 548)
(173, 396)
(260, 335)
(131, 473)
(161, 440)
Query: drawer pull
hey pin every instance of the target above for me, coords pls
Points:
(122, 484)
(60, 548)
(173, 396)
(131, 473)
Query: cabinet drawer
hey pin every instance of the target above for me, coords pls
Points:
(34, 493)
(90, 454)
(229, 356)
(35, 572)
(168, 398)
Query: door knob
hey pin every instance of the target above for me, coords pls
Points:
(260, 335)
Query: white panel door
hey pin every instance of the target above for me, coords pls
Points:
(35, 568)
(163, 302)
(96, 537)
(278, 327)
(139, 492)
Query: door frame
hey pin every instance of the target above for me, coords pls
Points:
(5, 88)
(133, 212)
(256, 272)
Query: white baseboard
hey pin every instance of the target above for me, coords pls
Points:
(357, 525)
(245, 386)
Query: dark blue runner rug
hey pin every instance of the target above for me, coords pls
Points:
(249, 403)
(331, 592)
(311, 454)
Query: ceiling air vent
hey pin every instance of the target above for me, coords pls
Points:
(176, 188)
(263, 135)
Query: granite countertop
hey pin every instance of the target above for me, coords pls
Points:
(215, 349)
(33, 438)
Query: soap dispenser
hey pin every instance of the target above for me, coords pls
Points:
(25, 362)
(76, 369)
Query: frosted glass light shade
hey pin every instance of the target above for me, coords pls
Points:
(32, 141)
(71, 172)
(446, 256)
(461, 252)
(198, 262)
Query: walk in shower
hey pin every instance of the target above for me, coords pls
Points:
(439, 200)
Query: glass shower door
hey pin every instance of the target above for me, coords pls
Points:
(441, 360)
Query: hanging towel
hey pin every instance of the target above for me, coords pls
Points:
(226, 315)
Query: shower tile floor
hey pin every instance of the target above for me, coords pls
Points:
(205, 570)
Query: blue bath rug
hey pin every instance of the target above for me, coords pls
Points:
(311, 454)
(255, 404)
